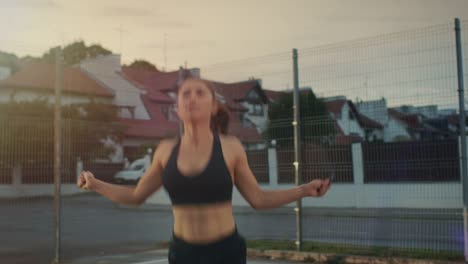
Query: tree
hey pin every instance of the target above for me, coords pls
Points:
(75, 52)
(315, 122)
(27, 132)
(143, 64)
(9, 60)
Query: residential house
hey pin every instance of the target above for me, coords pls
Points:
(163, 122)
(252, 97)
(350, 124)
(447, 126)
(37, 81)
(427, 111)
(419, 127)
(394, 129)
(433, 124)
(160, 98)
(107, 71)
(248, 116)
(274, 96)
(141, 108)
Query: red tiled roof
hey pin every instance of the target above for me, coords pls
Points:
(412, 120)
(154, 79)
(368, 122)
(41, 76)
(151, 79)
(157, 127)
(156, 83)
(274, 95)
(235, 91)
(335, 106)
(160, 97)
(154, 109)
(147, 129)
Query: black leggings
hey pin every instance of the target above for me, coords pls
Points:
(229, 250)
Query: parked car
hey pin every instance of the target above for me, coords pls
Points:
(133, 172)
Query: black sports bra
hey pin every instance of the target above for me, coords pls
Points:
(212, 185)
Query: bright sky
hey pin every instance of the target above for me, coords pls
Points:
(206, 32)
(410, 70)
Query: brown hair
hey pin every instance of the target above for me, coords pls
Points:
(219, 122)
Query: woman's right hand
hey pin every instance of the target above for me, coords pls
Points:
(86, 181)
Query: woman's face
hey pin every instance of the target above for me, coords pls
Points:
(195, 102)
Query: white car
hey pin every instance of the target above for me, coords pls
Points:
(133, 172)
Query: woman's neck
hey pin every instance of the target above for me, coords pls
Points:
(197, 135)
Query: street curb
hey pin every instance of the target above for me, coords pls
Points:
(311, 257)
(335, 258)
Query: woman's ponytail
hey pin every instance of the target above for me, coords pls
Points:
(219, 122)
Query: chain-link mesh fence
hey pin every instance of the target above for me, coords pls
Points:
(379, 116)
(392, 101)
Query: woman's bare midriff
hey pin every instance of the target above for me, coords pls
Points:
(202, 224)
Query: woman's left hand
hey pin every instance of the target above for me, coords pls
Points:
(316, 188)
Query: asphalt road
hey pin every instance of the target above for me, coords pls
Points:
(94, 226)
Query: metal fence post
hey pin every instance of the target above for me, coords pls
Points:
(297, 150)
(462, 121)
(57, 151)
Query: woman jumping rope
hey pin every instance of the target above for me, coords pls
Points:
(198, 172)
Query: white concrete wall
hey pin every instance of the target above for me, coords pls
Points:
(343, 195)
(358, 194)
(34, 190)
(350, 195)
(435, 195)
(106, 70)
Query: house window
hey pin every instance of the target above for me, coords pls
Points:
(245, 122)
(368, 134)
(257, 109)
(165, 111)
(168, 112)
(351, 115)
(253, 95)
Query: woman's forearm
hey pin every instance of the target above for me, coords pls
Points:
(116, 193)
(276, 198)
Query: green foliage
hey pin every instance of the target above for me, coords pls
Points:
(315, 122)
(9, 60)
(75, 52)
(143, 64)
(27, 131)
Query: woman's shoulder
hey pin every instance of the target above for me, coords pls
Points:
(167, 144)
(231, 142)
